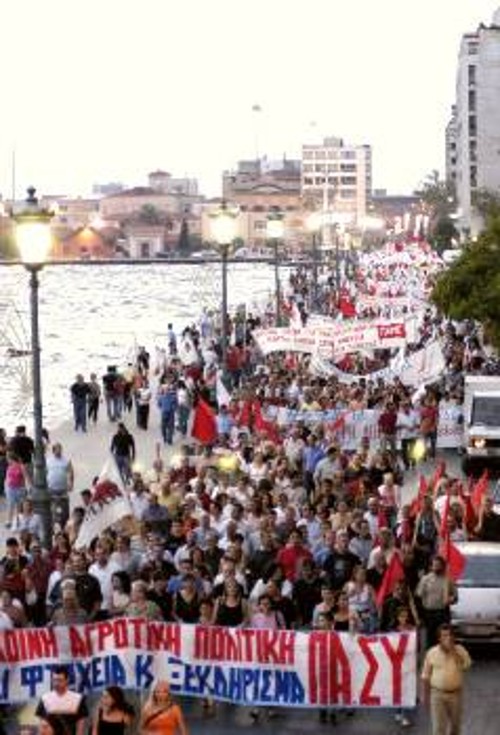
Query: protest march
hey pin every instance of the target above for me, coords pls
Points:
(287, 543)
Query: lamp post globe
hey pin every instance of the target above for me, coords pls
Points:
(33, 239)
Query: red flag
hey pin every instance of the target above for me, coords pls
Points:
(416, 503)
(443, 529)
(438, 474)
(479, 491)
(204, 423)
(454, 558)
(392, 575)
(263, 426)
(469, 513)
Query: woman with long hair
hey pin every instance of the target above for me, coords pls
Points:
(160, 715)
(114, 713)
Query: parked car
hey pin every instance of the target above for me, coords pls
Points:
(476, 615)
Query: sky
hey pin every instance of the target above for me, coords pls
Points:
(108, 90)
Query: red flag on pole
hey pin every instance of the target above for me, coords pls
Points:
(416, 503)
(438, 474)
(454, 558)
(263, 426)
(204, 423)
(479, 491)
(392, 575)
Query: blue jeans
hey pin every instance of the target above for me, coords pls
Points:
(168, 426)
(114, 407)
(124, 467)
(80, 413)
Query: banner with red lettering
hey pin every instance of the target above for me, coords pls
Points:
(239, 665)
(337, 338)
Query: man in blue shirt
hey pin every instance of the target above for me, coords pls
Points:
(313, 453)
(167, 403)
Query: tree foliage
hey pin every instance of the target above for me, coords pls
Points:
(470, 288)
(184, 243)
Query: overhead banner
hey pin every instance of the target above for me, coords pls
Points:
(337, 339)
(239, 665)
(418, 368)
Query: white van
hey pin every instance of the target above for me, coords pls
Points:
(476, 615)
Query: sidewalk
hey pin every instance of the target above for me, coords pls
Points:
(89, 452)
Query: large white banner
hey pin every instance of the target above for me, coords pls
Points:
(279, 668)
(418, 368)
(337, 339)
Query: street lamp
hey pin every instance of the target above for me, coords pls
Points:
(314, 223)
(275, 232)
(224, 233)
(33, 239)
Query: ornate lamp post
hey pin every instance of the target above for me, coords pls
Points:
(275, 232)
(224, 233)
(33, 238)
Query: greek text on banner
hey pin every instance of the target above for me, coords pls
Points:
(239, 665)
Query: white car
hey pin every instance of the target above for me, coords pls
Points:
(476, 615)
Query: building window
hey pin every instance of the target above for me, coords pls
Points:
(348, 194)
(472, 75)
(308, 167)
(308, 181)
(472, 48)
(259, 225)
(319, 167)
(348, 180)
(349, 154)
(348, 167)
(472, 126)
(472, 99)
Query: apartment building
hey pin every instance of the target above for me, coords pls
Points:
(477, 121)
(337, 177)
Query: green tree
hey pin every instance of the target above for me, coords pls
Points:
(470, 288)
(184, 243)
(149, 214)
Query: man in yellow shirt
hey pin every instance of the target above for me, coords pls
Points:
(442, 678)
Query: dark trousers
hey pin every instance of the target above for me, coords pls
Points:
(168, 427)
(432, 620)
(93, 409)
(142, 416)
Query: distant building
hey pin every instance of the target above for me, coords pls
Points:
(259, 187)
(164, 183)
(451, 147)
(113, 187)
(337, 177)
(71, 212)
(477, 120)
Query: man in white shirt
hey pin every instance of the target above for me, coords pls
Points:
(60, 480)
(407, 426)
(103, 569)
(70, 707)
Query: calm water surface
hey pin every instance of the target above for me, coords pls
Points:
(92, 316)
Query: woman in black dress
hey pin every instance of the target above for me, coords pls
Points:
(114, 713)
(231, 609)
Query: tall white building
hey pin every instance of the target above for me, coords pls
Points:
(477, 122)
(337, 177)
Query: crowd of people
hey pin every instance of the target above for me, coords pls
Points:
(261, 524)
